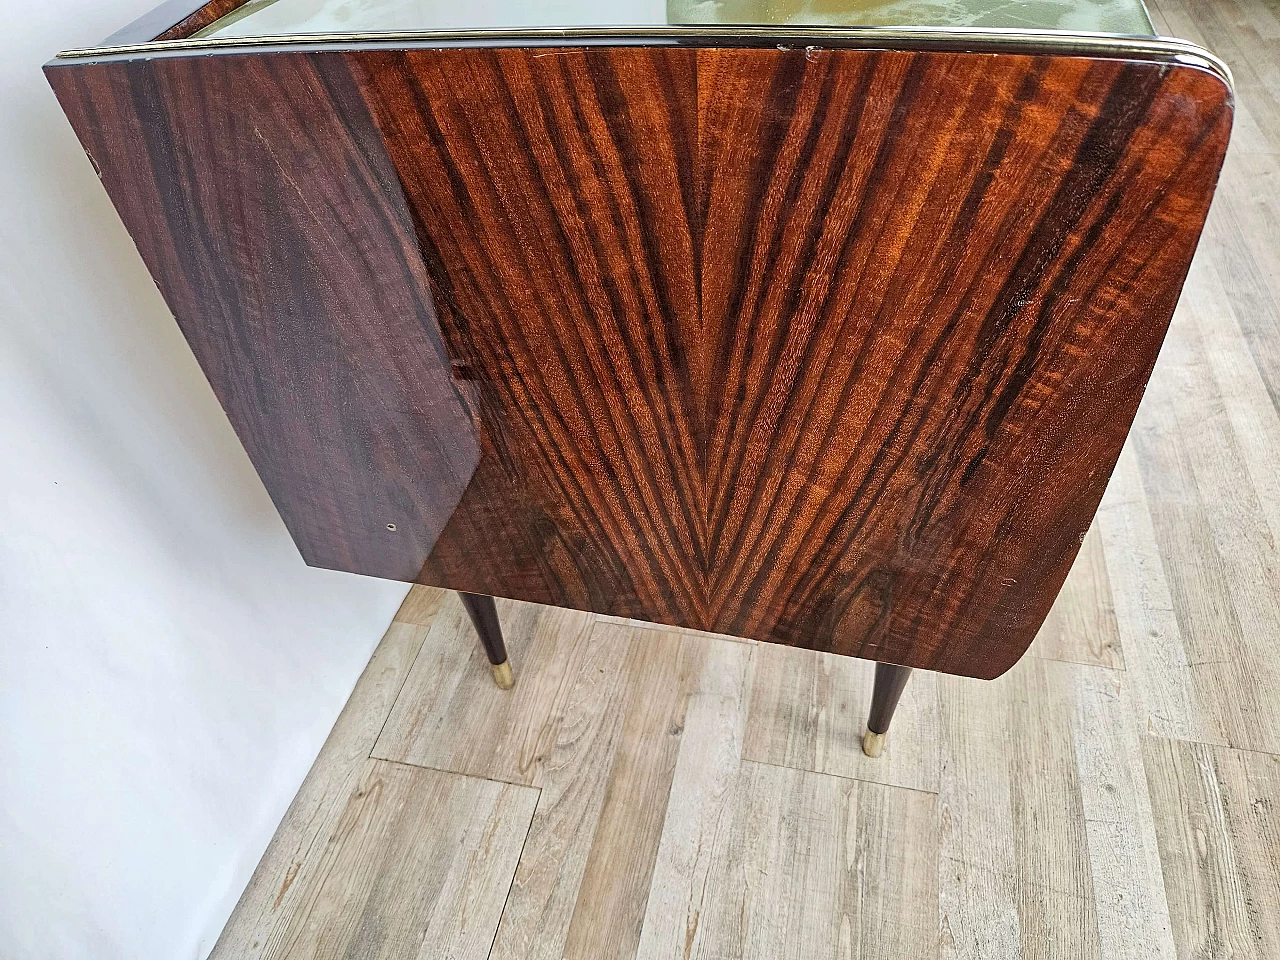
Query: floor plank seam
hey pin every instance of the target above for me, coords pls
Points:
(1077, 663)
(1208, 743)
(400, 689)
(455, 773)
(515, 870)
(840, 776)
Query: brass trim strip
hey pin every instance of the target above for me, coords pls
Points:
(1002, 40)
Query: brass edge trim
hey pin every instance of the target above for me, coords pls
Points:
(1082, 43)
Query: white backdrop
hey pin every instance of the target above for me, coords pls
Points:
(168, 665)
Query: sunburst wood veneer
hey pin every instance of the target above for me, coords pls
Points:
(834, 347)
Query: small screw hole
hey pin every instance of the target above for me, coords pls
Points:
(391, 526)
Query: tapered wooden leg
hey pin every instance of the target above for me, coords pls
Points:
(484, 614)
(890, 679)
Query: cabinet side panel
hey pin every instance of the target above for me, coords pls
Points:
(259, 195)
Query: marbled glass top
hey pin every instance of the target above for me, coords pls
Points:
(265, 18)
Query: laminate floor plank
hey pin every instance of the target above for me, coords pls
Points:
(1217, 545)
(1124, 859)
(1208, 632)
(290, 861)
(1238, 228)
(610, 908)
(1081, 627)
(794, 864)
(420, 605)
(574, 778)
(809, 711)
(454, 717)
(1217, 817)
(1167, 700)
(1245, 226)
(1014, 863)
(1254, 419)
(417, 866)
(702, 793)
(1046, 848)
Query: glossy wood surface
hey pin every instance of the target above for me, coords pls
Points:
(484, 617)
(832, 348)
(889, 684)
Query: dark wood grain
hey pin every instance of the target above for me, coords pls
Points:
(834, 348)
(286, 252)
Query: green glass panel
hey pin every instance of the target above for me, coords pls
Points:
(265, 18)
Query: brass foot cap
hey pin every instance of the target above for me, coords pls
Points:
(873, 744)
(503, 676)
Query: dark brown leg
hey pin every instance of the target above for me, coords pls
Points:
(890, 680)
(484, 614)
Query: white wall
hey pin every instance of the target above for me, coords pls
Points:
(168, 665)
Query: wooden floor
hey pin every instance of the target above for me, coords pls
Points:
(654, 793)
